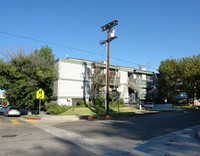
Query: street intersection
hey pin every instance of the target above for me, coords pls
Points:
(172, 133)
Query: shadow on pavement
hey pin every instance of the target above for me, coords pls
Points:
(136, 128)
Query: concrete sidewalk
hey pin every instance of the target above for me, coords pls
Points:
(56, 117)
(77, 117)
(47, 117)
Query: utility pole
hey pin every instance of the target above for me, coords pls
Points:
(111, 36)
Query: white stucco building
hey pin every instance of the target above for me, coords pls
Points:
(73, 83)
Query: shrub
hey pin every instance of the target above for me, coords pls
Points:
(54, 109)
(100, 101)
(115, 103)
(81, 103)
(121, 102)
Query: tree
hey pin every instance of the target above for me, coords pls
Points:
(22, 74)
(46, 54)
(97, 79)
(46, 73)
(181, 75)
(190, 75)
(168, 79)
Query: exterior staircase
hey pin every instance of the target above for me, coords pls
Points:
(137, 102)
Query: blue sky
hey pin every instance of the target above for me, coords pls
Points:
(149, 31)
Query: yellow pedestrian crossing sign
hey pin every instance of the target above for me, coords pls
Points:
(40, 94)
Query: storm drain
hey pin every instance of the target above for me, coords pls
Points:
(9, 135)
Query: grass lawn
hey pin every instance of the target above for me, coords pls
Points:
(88, 111)
(78, 111)
(126, 109)
(187, 106)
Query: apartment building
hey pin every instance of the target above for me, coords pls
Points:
(75, 81)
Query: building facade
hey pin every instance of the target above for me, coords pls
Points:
(76, 78)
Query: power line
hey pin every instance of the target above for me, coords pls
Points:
(101, 8)
(109, 8)
(47, 42)
(69, 47)
(63, 12)
(86, 8)
(129, 62)
(155, 37)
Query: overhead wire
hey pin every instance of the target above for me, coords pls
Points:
(64, 13)
(86, 8)
(101, 8)
(159, 40)
(68, 47)
(51, 43)
(123, 32)
(110, 9)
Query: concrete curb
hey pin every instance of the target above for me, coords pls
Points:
(116, 116)
(31, 118)
(77, 117)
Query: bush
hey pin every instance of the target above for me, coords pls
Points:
(121, 102)
(54, 109)
(100, 101)
(115, 103)
(81, 103)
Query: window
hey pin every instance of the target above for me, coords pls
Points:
(138, 76)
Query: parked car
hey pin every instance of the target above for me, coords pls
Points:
(12, 111)
(10, 106)
(2, 110)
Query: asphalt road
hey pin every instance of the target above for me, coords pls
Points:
(19, 138)
(136, 128)
(125, 136)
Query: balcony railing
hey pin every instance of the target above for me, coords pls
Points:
(113, 81)
(143, 83)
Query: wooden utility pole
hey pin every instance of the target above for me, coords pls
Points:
(107, 75)
(110, 38)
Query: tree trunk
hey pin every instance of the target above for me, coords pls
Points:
(195, 94)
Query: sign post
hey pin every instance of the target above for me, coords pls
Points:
(40, 95)
(39, 105)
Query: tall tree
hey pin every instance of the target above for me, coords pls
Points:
(168, 78)
(190, 75)
(46, 54)
(181, 75)
(21, 76)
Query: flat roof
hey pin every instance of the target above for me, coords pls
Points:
(123, 68)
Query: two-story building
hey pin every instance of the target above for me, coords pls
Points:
(77, 76)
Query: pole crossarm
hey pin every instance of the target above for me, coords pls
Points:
(109, 25)
(110, 39)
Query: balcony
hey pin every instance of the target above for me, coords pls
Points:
(146, 96)
(143, 83)
(113, 81)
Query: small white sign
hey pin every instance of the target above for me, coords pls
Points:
(1, 96)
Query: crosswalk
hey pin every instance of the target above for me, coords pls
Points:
(17, 122)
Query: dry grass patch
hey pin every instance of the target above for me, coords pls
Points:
(78, 111)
